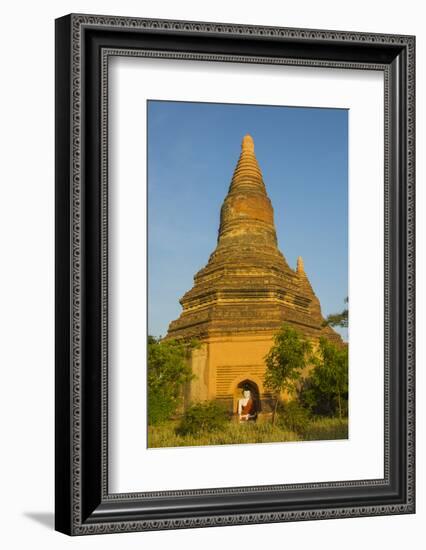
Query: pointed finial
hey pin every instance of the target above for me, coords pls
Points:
(247, 173)
(300, 265)
(248, 143)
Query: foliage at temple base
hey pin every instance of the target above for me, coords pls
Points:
(168, 372)
(325, 391)
(205, 417)
(287, 358)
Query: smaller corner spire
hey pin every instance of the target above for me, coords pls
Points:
(300, 266)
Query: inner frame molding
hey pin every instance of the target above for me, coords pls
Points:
(84, 43)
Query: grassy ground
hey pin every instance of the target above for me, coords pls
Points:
(261, 432)
(327, 428)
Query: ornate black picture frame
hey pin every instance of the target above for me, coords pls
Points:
(84, 44)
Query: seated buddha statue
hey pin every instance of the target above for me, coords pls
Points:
(246, 407)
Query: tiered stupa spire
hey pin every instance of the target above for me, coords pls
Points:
(247, 173)
(247, 285)
(247, 218)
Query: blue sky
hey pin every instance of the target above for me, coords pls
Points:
(192, 152)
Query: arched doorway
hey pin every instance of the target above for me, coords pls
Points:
(254, 389)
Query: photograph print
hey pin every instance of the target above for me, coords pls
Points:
(247, 274)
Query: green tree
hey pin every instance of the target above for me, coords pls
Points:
(168, 372)
(327, 386)
(338, 319)
(285, 361)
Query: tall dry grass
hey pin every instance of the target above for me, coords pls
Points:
(327, 428)
(164, 435)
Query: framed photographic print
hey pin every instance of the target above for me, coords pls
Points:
(234, 274)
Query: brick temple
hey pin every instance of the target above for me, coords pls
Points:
(244, 294)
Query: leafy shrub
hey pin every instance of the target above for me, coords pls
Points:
(169, 370)
(293, 417)
(325, 391)
(319, 403)
(208, 416)
(161, 405)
